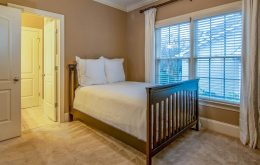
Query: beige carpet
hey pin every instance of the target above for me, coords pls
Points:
(76, 144)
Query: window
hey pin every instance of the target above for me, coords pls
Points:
(173, 53)
(217, 49)
(215, 57)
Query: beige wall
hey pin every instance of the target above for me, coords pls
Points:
(230, 116)
(91, 29)
(135, 46)
(33, 21)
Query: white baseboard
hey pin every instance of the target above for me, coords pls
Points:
(220, 127)
(66, 117)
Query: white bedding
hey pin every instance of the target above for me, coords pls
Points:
(122, 105)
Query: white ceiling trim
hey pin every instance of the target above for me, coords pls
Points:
(112, 4)
(139, 4)
(126, 8)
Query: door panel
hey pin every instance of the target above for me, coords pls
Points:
(10, 85)
(50, 75)
(5, 54)
(31, 40)
(27, 89)
(5, 102)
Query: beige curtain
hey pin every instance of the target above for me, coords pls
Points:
(150, 45)
(250, 87)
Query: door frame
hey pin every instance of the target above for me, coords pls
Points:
(40, 55)
(61, 97)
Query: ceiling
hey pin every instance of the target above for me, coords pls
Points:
(126, 5)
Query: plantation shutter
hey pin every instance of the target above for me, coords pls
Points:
(217, 46)
(172, 53)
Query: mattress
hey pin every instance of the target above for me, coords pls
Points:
(121, 105)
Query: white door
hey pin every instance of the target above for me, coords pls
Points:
(50, 94)
(31, 40)
(10, 63)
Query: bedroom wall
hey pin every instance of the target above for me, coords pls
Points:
(135, 47)
(91, 29)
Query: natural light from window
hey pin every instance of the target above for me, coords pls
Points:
(215, 57)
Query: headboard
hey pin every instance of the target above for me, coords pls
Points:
(73, 84)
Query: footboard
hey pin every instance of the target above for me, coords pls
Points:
(171, 109)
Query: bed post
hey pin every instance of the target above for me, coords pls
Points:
(72, 87)
(148, 130)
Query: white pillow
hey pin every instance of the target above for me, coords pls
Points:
(114, 70)
(91, 71)
(80, 70)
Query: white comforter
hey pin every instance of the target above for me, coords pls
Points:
(122, 105)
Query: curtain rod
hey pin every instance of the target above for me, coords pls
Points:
(159, 5)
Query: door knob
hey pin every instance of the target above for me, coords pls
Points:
(16, 79)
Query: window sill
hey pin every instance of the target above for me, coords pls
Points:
(220, 105)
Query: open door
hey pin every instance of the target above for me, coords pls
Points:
(50, 75)
(10, 63)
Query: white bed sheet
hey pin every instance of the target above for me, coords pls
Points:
(122, 105)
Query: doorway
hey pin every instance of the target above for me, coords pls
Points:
(39, 70)
(60, 49)
(10, 70)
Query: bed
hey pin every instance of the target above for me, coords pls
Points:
(143, 116)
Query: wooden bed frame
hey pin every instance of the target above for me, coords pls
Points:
(171, 109)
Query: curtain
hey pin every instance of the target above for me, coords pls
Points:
(150, 45)
(250, 87)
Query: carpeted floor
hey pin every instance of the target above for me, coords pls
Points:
(76, 144)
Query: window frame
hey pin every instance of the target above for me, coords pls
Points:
(191, 17)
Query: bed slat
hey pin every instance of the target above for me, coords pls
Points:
(164, 119)
(169, 116)
(154, 126)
